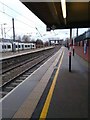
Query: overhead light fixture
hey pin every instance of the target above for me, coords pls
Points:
(63, 4)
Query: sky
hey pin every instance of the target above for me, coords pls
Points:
(26, 23)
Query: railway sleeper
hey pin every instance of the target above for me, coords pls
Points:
(9, 87)
(25, 75)
(18, 81)
(14, 84)
(28, 73)
(22, 78)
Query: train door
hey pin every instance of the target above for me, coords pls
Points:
(22, 47)
(13, 47)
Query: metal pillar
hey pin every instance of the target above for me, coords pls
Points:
(70, 50)
(73, 50)
(77, 32)
(13, 29)
(74, 43)
(2, 31)
(73, 47)
(13, 45)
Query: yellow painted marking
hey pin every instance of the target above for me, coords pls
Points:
(48, 99)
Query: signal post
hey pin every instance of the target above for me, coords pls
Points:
(70, 53)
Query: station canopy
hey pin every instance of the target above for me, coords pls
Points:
(77, 13)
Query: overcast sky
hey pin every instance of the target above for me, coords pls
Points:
(26, 22)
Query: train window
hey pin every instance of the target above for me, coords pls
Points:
(72, 41)
(33, 45)
(2, 46)
(8, 46)
(25, 45)
(5, 46)
(28, 45)
(16, 46)
(19, 46)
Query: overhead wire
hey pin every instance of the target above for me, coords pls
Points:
(18, 13)
(23, 23)
(18, 19)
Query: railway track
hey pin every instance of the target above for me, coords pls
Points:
(11, 84)
(18, 59)
(9, 73)
(18, 65)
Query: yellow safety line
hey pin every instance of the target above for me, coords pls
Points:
(48, 99)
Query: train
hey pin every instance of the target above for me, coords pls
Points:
(15, 46)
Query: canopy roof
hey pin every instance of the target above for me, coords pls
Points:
(78, 14)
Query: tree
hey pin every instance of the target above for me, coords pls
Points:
(46, 43)
(39, 43)
(18, 37)
(26, 38)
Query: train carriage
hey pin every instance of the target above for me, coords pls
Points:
(15, 46)
(5, 46)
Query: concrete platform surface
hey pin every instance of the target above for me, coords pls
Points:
(70, 97)
(66, 94)
(14, 100)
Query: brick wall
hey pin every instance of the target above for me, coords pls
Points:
(80, 51)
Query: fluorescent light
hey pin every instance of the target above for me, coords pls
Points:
(63, 4)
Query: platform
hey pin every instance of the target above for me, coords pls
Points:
(57, 94)
(26, 91)
(68, 97)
